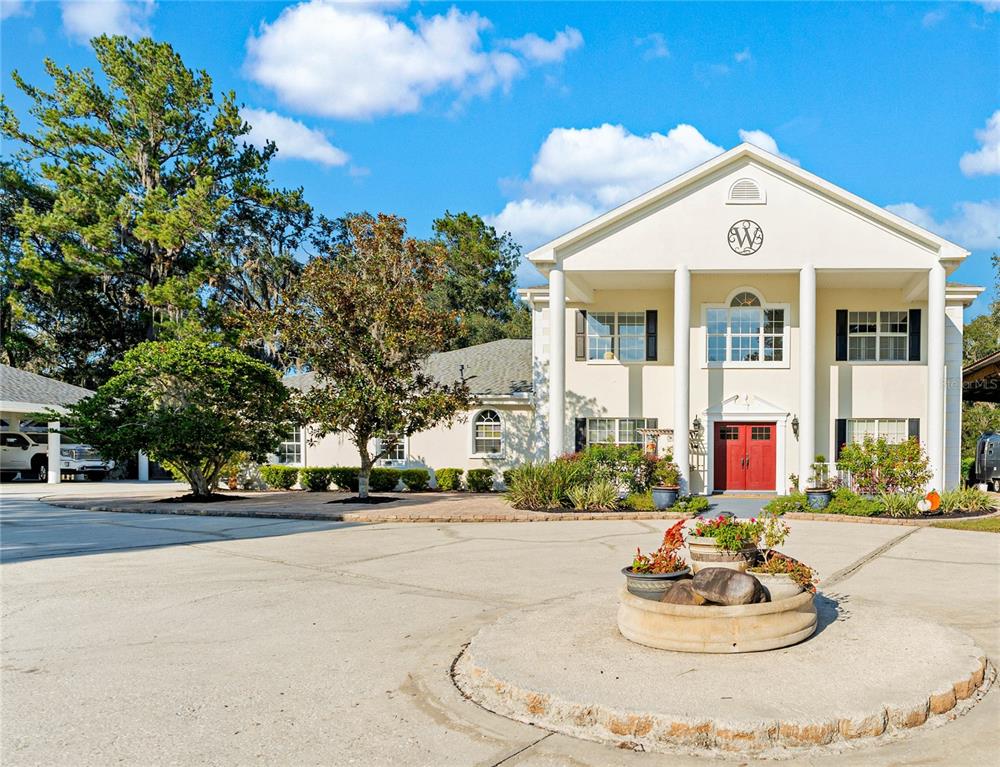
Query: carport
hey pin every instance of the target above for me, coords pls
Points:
(981, 380)
(24, 394)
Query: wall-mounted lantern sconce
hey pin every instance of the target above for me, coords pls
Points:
(696, 425)
(795, 426)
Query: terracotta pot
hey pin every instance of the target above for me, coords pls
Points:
(778, 585)
(706, 552)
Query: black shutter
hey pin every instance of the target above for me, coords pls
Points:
(841, 437)
(581, 434)
(650, 334)
(914, 328)
(841, 335)
(581, 334)
(913, 426)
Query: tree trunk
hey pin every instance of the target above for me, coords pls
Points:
(366, 467)
(200, 485)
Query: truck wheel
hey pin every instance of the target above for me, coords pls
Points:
(96, 476)
(41, 469)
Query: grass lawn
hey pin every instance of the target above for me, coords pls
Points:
(988, 525)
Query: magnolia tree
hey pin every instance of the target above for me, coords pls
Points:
(191, 405)
(363, 320)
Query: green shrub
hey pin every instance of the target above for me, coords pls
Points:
(279, 477)
(508, 477)
(627, 467)
(784, 504)
(847, 502)
(877, 466)
(314, 478)
(667, 474)
(599, 495)
(639, 501)
(965, 499)
(448, 479)
(691, 504)
(383, 480)
(968, 469)
(345, 478)
(416, 480)
(480, 480)
(899, 504)
(545, 485)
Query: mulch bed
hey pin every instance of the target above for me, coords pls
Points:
(192, 498)
(371, 499)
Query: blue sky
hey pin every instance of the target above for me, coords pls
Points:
(538, 115)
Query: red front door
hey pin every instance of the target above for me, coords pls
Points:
(744, 456)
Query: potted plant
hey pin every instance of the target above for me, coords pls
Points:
(819, 492)
(667, 477)
(782, 576)
(724, 542)
(650, 576)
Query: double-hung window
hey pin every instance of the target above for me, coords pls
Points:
(616, 335)
(878, 336)
(745, 332)
(618, 431)
(397, 451)
(892, 430)
(290, 449)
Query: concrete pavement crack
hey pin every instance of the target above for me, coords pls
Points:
(522, 750)
(844, 573)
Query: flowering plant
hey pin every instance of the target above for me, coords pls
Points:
(776, 563)
(664, 559)
(729, 533)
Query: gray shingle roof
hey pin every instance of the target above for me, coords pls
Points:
(497, 368)
(21, 386)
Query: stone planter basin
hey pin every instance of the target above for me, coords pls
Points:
(717, 629)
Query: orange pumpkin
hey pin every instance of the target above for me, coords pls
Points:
(934, 499)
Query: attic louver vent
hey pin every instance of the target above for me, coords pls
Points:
(746, 190)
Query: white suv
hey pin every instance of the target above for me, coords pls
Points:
(27, 453)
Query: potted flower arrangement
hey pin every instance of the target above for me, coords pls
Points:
(650, 576)
(724, 542)
(667, 476)
(819, 492)
(782, 576)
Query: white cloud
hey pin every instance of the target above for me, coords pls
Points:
(579, 173)
(654, 46)
(359, 61)
(973, 225)
(743, 57)
(294, 140)
(986, 160)
(766, 142)
(990, 6)
(84, 19)
(10, 8)
(541, 51)
(933, 18)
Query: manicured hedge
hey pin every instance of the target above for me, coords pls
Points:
(314, 478)
(279, 477)
(448, 479)
(480, 480)
(416, 479)
(379, 480)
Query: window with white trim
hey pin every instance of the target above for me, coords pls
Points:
(397, 451)
(746, 331)
(290, 449)
(878, 336)
(892, 430)
(616, 335)
(618, 431)
(488, 433)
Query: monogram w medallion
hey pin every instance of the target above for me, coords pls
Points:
(745, 237)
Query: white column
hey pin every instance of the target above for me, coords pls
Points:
(807, 374)
(557, 361)
(55, 444)
(682, 374)
(935, 374)
(143, 467)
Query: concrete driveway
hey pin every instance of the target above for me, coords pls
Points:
(148, 640)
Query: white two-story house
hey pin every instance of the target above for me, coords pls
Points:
(758, 310)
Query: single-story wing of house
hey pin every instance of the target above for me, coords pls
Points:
(765, 314)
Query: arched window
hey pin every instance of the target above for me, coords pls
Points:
(487, 431)
(746, 191)
(745, 331)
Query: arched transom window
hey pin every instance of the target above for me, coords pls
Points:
(745, 331)
(487, 433)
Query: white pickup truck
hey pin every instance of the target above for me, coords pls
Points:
(27, 453)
